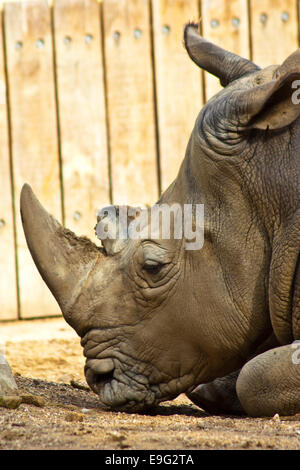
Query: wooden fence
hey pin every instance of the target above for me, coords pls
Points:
(97, 102)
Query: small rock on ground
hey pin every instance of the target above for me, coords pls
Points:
(9, 395)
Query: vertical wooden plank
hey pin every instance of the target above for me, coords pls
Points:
(225, 24)
(34, 136)
(178, 83)
(274, 30)
(8, 290)
(82, 112)
(130, 100)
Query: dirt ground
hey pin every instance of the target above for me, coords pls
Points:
(46, 358)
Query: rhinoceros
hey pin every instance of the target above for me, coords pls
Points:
(220, 323)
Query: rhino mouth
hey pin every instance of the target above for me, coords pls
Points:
(123, 388)
(122, 379)
(117, 386)
(115, 394)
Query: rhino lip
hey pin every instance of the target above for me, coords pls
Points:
(98, 372)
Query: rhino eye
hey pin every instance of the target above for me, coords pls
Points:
(152, 266)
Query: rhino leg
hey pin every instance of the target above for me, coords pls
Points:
(270, 383)
(219, 396)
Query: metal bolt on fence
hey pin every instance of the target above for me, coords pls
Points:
(215, 23)
(236, 22)
(263, 18)
(166, 29)
(77, 215)
(18, 45)
(88, 38)
(137, 33)
(67, 40)
(40, 43)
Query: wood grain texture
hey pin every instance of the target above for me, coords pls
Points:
(274, 30)
(8, 290)
(178, 83)
(82, 112)
(225, 23)
(130, 101)
(34, 133)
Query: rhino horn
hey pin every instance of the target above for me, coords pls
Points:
(63, 259)
(221, 63)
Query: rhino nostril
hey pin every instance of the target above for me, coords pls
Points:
(97, 381)
(98, 372)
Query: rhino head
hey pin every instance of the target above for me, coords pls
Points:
(156, 319)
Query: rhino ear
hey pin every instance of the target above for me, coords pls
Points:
(215, 60)
(273, 105)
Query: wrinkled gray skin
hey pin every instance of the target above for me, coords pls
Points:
(157, 320)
